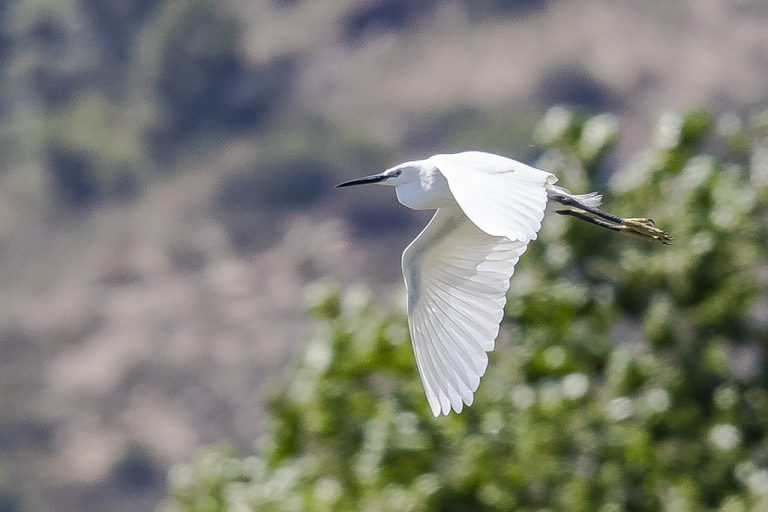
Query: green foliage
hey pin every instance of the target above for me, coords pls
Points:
(628, 376)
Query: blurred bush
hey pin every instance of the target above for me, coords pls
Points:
(292, 169)
(200, 77)
(117, 24)
(92, 153)
(5, 50)
(372, 16)
(629, 376)
(382, 15)
(480, 9)
(577, 87)
(108, 93)
(251, 199)
(292, 181)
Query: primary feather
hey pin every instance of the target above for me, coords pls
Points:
(457, 277)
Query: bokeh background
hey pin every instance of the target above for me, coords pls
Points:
(166, 201)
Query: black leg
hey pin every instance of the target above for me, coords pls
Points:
(569, 201)
(642, 227)
(590, 219)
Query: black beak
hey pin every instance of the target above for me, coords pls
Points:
(376, 178)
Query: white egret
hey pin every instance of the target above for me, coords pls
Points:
(457, 270)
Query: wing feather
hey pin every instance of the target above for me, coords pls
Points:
(457, 278)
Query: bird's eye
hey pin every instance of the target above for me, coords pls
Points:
(396, 173)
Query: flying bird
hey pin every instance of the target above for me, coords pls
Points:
(457, 270)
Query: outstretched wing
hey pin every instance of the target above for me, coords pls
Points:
(503, 197)
(457, 277)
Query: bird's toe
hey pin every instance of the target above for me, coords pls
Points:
(647, 227)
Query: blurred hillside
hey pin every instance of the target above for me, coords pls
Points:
(165, 188)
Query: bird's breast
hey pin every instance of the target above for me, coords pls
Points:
(428, 193)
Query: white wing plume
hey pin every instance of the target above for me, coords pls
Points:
(457, 277)
(503, 197)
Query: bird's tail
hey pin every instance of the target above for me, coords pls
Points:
(593, 199)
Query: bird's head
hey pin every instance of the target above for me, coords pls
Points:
(398, 175)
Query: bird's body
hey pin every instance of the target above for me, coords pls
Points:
(457, 271)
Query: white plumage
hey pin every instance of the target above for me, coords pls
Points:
(457, 271)
(457, 277)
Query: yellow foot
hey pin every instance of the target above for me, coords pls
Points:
(646, 227)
